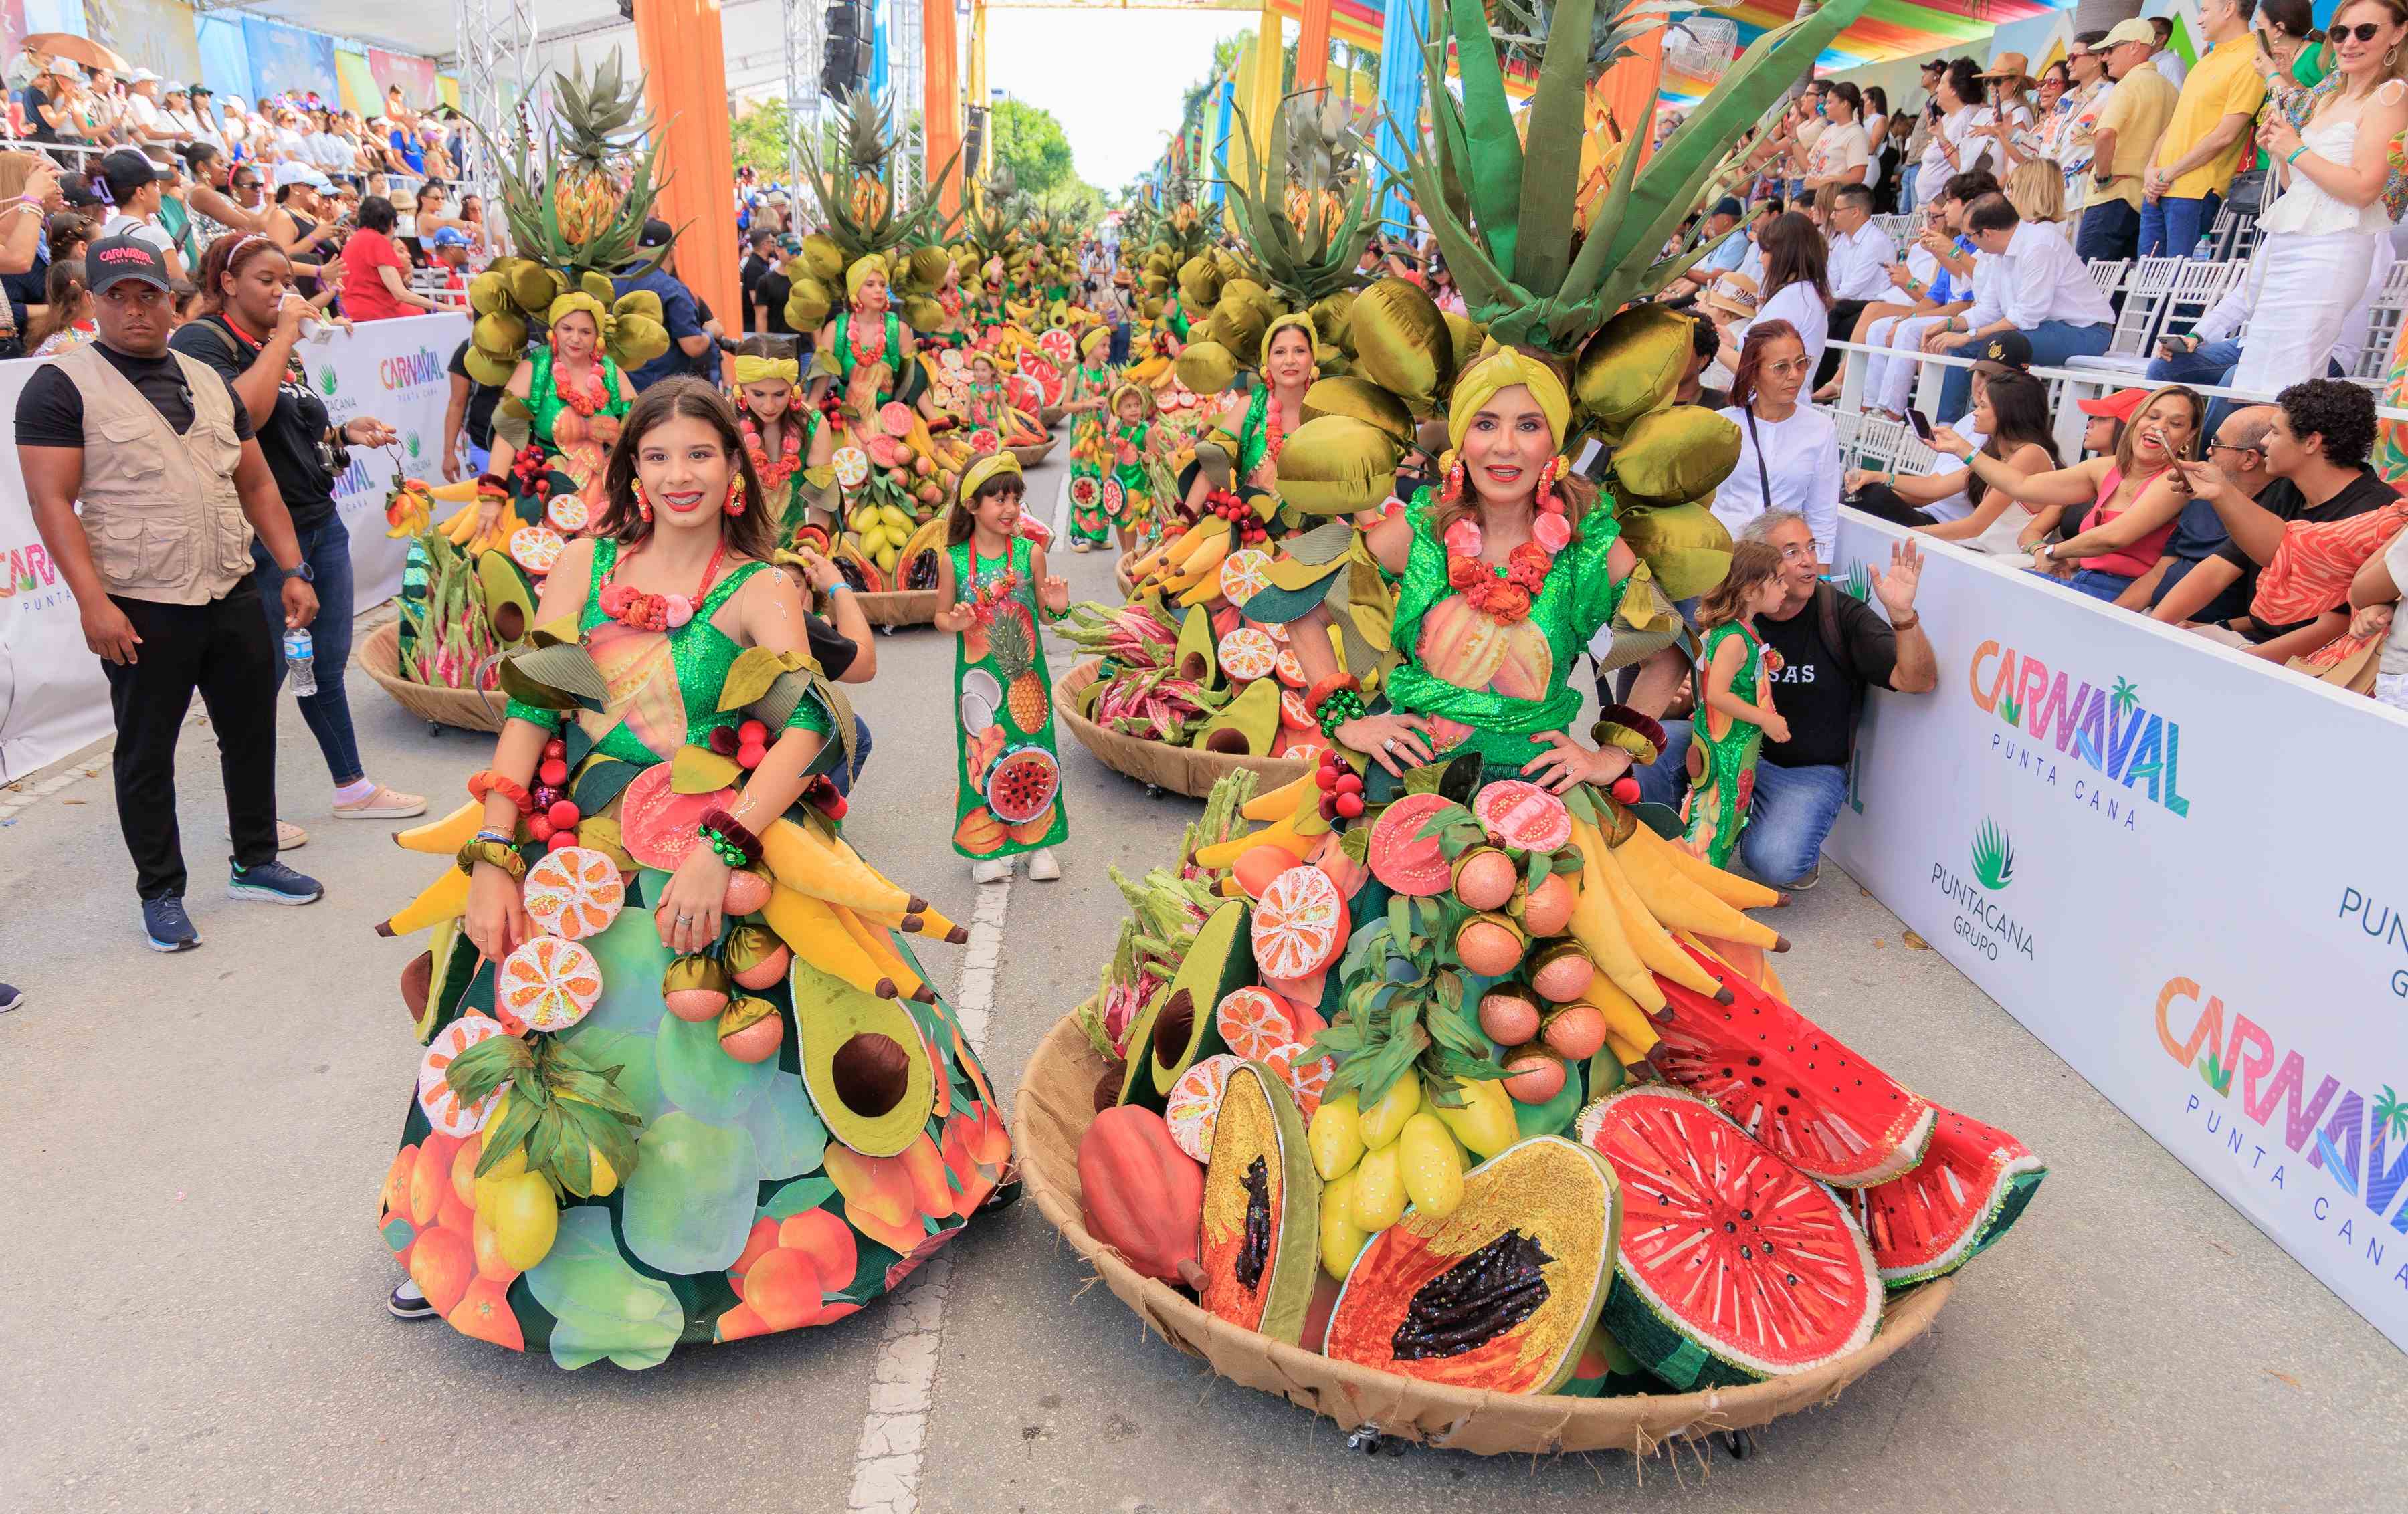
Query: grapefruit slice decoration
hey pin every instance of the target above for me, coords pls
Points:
(444, 1111)
(1300, 923)
(550, 983)
(574, 892)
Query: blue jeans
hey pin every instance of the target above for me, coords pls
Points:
(2094, 582)
(2171, 228)
(2110, 232)
(844, 776)
(2052, 343)
(327, 550)
(1792, 811)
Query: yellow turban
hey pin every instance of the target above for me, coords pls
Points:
(862, 268)
(986, 470)
(1502, 370)
(753, 370)
(1300, 321)
(1100, 337)
(575, 300)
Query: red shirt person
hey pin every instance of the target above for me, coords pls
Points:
(376, 272)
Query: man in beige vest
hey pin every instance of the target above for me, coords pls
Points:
(160, 453)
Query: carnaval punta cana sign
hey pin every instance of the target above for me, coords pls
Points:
(2088, 818)
(54, 699)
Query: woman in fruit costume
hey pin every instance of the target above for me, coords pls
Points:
(688, 957)
(789, 444)
(1253, 434)
(1083, 399)
(871, 330)
(992, 587)
(577, 399)
(1722, 761)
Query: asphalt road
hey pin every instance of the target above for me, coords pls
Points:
(191, 1283)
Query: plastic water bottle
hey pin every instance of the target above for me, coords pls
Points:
(2205, 250)
(300, 662)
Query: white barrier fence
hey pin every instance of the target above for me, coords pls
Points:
(53, 697)
(2183, 870)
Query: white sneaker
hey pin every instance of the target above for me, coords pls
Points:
(1042, 866)
(384, 804)
(991, 870)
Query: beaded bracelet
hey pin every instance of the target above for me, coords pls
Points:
(735, 845)
(500, 854)
(1326, 687)
(1338, 707)
(490, 782)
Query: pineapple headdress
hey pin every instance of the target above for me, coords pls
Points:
(856, 198)
(576, 196)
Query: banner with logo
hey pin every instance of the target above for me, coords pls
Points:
(2182, 870)
(52, 696)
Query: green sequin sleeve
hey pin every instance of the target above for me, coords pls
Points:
(1596, 596)
(810, 715)
(550, 720)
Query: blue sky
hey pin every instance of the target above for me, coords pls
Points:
(1113, 79)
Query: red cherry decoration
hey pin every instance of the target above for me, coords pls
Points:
(833, 806)
(553, 773)
(1349, 783)
(561, 839)
(748, 756)
(563, 814)
(753, 734)
(539, 827)
(1347, 804)
(555, 748)
(1625, 790)
(724, 740)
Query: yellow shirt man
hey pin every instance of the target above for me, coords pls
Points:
(2223, 83)
(2136, 111)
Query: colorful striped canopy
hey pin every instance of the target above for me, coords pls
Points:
(1889, 29)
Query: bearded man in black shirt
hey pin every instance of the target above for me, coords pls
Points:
(1832, 649)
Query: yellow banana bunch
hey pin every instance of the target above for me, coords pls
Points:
(1654, 944)
(1598, 926)
(1678, 903)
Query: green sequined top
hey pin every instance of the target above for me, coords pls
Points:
(1579, 596)
(1255, 433)
(663, 685)
(543, 395)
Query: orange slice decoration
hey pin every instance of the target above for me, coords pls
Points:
(1254, 1022)
(535, 548)
(1194, 1102)
(568, 513)
(575, 893)
(1291, 672)
(1306, 1075)
(1244, 573)
(1248, 653)
(444, 1111)
(1299, 924)
(550, 983)
(852, 466)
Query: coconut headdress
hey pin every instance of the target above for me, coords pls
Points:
(576, 193)
(860, 198)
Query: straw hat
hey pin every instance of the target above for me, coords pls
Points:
(2010, 65)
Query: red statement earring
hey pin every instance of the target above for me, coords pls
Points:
(643, 501)
(1453, 490)
(735, 494)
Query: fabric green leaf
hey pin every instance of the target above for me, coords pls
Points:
(700, 1077)
(689, 1202)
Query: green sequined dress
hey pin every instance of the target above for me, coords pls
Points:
(759, 1197)
(567, 437)
(1488, 685)
(1008, 796)
(1718, 797)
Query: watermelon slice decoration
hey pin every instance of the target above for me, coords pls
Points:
(1116, 497)
(1733, 1266)
(983, 440)
(1022, 393)
(656, 823)
(1789, 1083)
(1058, 346)
(1523, 816)
(535, 548)
(1968, 1191)
(1022, 784)
(1086, 491)
(1403, 859)
(1033, 529)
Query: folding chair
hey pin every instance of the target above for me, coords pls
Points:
(2148, 292)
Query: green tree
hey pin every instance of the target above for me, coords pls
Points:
(1029, 141)
(760, 138)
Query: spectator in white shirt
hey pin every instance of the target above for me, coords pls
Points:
(1789, 452)
(2167, 62)
(2040, 289)
(134, 184)
(2210, 353)
(1862, 255)
(1796, 288)
(1956, 144)
(1841, 153)
(2009, 83)
(176, 105)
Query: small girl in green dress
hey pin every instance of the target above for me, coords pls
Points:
(992, 586)
(1730, 729)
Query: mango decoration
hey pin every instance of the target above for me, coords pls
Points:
(1385, 1120)
(1632, 365)
(1336, 1137)
(1379, 1197)
(1342, 1239)
(1430, 1164)
(1484, 1122)
(1674, 455)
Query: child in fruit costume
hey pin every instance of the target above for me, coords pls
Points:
(629, 1133)
(1722, 759)
(1130, 439)
(991, 589)
(1083, 399)
(575, 400)
(790, 445)
(983, 402)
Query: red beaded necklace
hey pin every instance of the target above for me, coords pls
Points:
(987, 593)
(633, 607)
(585, 400)
(790, 453)
(1503, 595)
(876, 345)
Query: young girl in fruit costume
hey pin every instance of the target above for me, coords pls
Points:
(719, 1179)
(576, 398)
(1722, 761)
(789, 444)
(1083, 398)
(1127, 444)
(992, 589)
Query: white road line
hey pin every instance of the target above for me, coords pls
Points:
(903, 1389)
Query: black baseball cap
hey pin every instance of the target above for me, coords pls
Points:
(113, 259)
(1729, 205)
(2009, 352)
(655, 234)
(126, 170)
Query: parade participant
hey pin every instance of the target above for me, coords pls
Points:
(1083, 399)
(249, 329)
(983, 398)
(159, 453)
(1131, 440)
(992, 587)
(575, 400)
(1722, 768)
(673, 597)
(787, 443)
(870, 330)
(1254, 437)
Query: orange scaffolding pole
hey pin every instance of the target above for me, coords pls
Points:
(1313, 46)
(942, 109)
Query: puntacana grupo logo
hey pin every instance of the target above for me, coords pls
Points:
(1994, 857)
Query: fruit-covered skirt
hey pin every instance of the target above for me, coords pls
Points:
(1009, 793)
(1090, 521)
(774, 1184)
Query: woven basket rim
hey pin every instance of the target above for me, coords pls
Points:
(1181, 769)
(471, 709)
